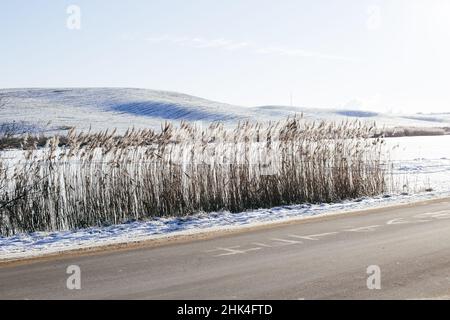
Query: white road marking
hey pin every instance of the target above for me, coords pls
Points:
(286, 242)
(262, 245)
(313, 237)
(232, 251)
(364, 229)
(404, 221)
(444, 214)
(278, 242)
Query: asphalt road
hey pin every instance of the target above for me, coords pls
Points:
(325, 258)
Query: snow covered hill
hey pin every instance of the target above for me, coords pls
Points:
(121, 108)
(382, 119)
(103, 108)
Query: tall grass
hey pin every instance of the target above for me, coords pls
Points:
(103, 178)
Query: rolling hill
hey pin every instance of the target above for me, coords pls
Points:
(106, 108)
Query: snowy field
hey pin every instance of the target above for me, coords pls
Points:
(421, 163)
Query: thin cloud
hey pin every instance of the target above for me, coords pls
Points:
(200, 43)
(301, 53)
(220, 43)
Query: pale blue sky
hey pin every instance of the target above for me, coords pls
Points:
(369, 54)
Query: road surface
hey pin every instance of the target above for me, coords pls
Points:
(324, 258)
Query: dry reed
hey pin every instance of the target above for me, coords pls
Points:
(103, 178)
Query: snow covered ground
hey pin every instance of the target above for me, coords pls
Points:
(108, 108)
(421, 162)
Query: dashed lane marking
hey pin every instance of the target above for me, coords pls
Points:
(279, 242)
